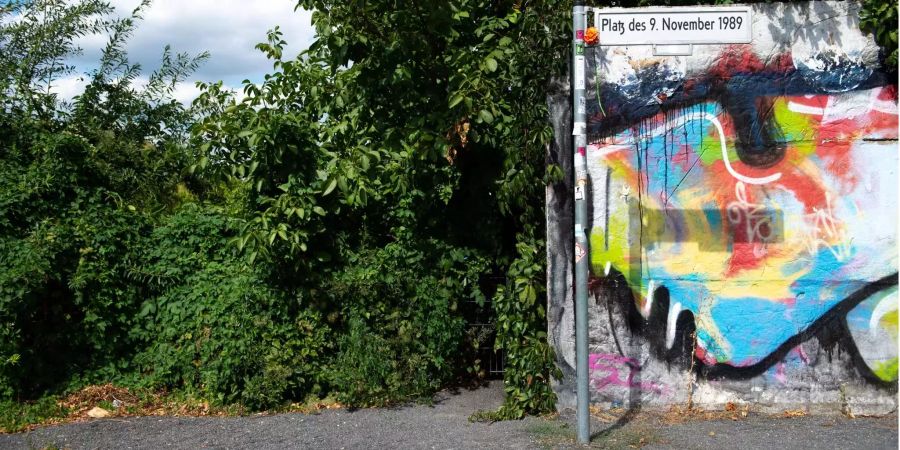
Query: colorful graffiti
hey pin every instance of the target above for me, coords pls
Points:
(827, 192)
(743, 202)
(619, 371)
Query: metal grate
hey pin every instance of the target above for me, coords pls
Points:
(481, 327)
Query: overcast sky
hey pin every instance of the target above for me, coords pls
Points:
(227, 29)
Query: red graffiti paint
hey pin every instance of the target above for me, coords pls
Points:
(735, 59)
(743, 257)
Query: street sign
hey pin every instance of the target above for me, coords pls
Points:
(672, 26)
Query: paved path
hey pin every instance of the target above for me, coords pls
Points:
(444, 425)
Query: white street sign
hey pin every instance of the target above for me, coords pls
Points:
(668, 26)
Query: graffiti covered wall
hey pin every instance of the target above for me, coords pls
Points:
(744, 202)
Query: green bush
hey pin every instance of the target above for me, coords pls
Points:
(401, 332)
(15, 416)
(216, 325)
(65, 242)
(82, 184)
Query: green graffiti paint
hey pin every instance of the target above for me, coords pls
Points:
(887, 370)
(797, 129)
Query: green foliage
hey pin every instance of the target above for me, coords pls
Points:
(463, 82)
(15, 416)
(215, 324)
(880, 18)
(521, 321)
(399, 326)
(37, 37)
(314, 237)
(80, 186)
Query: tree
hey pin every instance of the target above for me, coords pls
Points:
(81, 184)
(408, 124)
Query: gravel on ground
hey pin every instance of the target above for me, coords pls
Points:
(444, 424)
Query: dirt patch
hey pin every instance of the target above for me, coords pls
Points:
(110, 401)
(677, 414)
(674, 415)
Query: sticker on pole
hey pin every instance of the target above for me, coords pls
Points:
(579, 252)
(672, 26)
(579, 72)
(579, 192)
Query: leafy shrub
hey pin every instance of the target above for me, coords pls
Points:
(880, 18)
(15, 416)
(65, 300)
(81, 186)
(401, 331)
(216, 325)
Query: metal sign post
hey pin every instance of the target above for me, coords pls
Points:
(675, 31)
(581, 244)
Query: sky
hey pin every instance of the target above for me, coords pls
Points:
(227, 29)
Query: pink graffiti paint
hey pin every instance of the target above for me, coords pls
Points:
(780, 373)
(606, 371)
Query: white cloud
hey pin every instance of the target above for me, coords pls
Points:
(185, 92)
(228, 29)
(68, 87)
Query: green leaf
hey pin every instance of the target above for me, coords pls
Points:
(330, 187)
(455, 100)
(486, 116)
(491, 64)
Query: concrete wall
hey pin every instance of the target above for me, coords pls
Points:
(746, 195)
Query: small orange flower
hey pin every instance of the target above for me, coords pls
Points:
(591, 36)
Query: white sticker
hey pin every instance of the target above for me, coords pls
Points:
(579, 252)
(581, 105)
(579, 72)
(580, 129)
(579, 192)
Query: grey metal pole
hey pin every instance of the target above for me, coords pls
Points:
(581, 243)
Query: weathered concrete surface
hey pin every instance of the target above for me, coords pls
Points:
(745, 195)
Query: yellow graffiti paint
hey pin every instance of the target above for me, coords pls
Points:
(889, 323)
(798, 129)
(887, 370)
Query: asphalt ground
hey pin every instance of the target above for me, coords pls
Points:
(444, 424)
